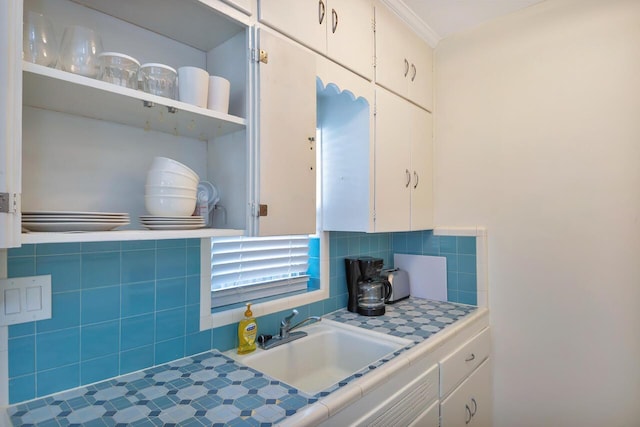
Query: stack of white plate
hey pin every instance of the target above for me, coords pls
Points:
(63, 221)
(153, 222)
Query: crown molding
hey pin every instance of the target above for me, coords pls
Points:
(413, 21)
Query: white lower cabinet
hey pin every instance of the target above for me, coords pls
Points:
(465, 384)
(470, 403)
(429, 418)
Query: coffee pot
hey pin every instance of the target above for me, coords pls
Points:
(368, 290)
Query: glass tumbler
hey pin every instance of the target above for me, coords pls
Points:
(39, 43)
(79, 51)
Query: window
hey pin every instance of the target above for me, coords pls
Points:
(249, 268)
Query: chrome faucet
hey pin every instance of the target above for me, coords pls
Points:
(286, 334)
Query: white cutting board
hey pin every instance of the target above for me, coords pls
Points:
(427, 275)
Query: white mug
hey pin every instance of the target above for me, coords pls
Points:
(219, 88)
(193, 86)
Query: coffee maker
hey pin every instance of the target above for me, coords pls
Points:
(368, 290)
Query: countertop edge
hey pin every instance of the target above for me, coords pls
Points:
(433, 347)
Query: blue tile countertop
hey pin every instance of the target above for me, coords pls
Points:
(212, 389)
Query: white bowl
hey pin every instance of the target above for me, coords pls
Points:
(167, 164)
(170, 178)
(170, 205)
(165, 190)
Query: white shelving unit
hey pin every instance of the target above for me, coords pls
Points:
(127, 122)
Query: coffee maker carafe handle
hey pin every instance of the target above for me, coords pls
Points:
(387, 290)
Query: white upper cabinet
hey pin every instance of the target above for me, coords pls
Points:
(341, 30)
(404, 158)
(404, 62)
(376, 169)
(285, 199)
(73, 143)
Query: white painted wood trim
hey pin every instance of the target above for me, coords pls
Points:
(413, 21)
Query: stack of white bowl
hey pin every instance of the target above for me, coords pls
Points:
(171, 188)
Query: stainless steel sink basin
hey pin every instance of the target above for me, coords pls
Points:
(331, 352)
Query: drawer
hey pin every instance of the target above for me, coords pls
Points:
(458, 365)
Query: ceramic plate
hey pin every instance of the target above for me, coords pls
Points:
(72, 226)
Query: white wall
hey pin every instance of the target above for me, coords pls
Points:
(538, 138)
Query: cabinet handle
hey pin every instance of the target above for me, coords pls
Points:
(470, 358)
(416, 178)
(415, 71)
(334, 21)
(469, 416)
(408, 178)
(406, 67)
(321, 11)
(475, 406)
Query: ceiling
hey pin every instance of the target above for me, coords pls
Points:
(437, 19)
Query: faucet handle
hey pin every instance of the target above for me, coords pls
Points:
(287, 320)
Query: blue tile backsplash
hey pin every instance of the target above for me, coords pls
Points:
(119, 307)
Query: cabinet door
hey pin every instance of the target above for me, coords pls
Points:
(10, 120)
(286, 152)
(392, 59)
(470, 404)
(420, 77)
(350, 35)
(429, 418)
(392, 162)
(422, 170)
(302, 20)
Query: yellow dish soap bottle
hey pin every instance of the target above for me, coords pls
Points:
(247, 332)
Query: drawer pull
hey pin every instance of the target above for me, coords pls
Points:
(321, 11)
(470, 358)
(469, 415)
(475, 406)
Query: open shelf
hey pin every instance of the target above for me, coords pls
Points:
(57, 90)
(110, 236)
(186, 21)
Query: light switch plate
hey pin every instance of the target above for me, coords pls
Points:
(25, 299)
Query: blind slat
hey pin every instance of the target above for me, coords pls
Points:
(238, 261)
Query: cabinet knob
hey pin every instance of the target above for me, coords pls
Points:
(321, 11)
(334, 21)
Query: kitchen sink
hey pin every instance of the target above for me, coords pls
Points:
(329, 353)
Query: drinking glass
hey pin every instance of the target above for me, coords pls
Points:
(79, 51)
(39, 43)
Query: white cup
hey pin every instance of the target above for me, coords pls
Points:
(219, 88)
(193, 86)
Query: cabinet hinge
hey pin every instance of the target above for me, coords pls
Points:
(373, 24)
(259, 55)
(8, 203)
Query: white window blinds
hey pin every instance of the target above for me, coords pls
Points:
(245, 268)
